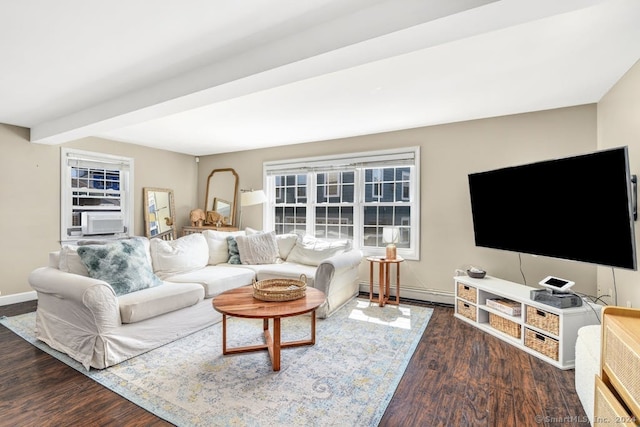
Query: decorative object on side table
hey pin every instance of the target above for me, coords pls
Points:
(390, 236)
(476, 273)
(214, 218)
(197, 217)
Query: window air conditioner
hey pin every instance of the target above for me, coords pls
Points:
(102, 223)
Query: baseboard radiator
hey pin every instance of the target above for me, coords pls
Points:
(426, 295)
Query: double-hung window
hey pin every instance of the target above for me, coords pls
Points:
(96, 195)
(350, 196)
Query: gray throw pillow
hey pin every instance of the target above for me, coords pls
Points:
(124, 264)
(234, 253)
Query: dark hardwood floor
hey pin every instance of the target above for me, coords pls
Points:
(458, 376)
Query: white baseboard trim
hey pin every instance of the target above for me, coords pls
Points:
(427, 295)
(16, 298)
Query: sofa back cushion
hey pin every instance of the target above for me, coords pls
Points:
(187, 253)
(285, 242)
(69, 261)
(122, 263)
(259, 248)
(217, 243)
(312, 251)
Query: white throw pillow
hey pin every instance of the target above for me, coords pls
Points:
(286, 242)
(312, 251)
(70, 261)
(249, 230)
(258, 248)
(217, 243)
(187, 253)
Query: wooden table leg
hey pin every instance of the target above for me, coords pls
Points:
(398, 283)
(276, 344)
(313, 327)
(381, 279)
(388, 282)
(370, 281)
(224, 334)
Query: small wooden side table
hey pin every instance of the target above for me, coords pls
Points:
(385, 279)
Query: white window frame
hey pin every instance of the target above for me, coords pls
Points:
(382, 159)
(70, 233)
(333, 181)
(377, 187)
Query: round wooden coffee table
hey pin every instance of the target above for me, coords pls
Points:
(239, 302)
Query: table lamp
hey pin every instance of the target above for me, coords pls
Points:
(390, 237)
(250, 198)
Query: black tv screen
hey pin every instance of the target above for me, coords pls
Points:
(578, 208)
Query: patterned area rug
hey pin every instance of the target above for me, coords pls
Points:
(347, 378)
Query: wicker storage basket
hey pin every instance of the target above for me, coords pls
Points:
(467, 292)
(505, 325)
(467, 310)
(543, 320)
(280, 289)
(541, 343)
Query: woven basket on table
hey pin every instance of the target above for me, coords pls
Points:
(280, 289)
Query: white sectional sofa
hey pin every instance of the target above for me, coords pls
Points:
(96, 308)
(587, 366)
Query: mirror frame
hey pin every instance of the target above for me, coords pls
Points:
(210, 198)
(171, 234)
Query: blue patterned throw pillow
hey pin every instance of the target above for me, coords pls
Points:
(234, 253)
(123, 264)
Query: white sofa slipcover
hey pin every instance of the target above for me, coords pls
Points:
(587, 366)
(84, 318)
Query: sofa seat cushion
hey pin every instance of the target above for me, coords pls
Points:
(216, 278)
(285, 270)
(151, 302)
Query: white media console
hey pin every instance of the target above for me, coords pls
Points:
(544, 331)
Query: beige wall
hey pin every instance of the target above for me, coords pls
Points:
(448, 154)
(30, 188)
(619, 125)
(30, 196)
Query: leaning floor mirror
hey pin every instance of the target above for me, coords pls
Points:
(159, 213)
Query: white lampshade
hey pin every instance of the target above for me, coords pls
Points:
(250, 198)
(390, 234)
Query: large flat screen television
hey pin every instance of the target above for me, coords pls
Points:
(578, 208)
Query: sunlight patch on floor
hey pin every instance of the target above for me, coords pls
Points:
(367, 311)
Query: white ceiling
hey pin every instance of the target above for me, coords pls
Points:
(212, 76)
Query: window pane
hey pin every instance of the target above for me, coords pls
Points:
(335, 187)
(372, 237)
(376, 217)
(334, 222)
